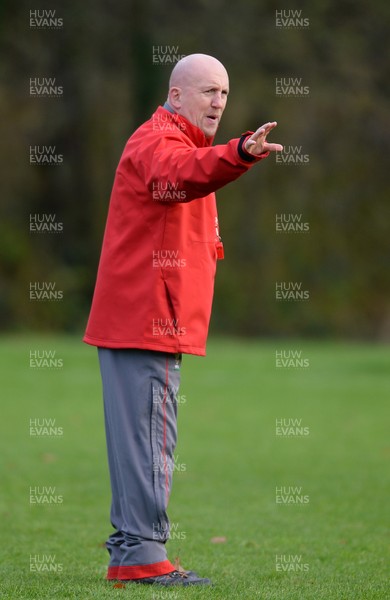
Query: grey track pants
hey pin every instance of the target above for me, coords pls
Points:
(140, 409)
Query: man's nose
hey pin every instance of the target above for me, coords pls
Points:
(218, 101)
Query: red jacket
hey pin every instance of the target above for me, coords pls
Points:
(155, 280)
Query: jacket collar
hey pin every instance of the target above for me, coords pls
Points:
(195, 134)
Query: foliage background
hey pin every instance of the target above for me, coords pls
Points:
(103, 58)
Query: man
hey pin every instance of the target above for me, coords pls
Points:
(152, 301)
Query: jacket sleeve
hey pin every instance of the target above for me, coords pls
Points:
(178, 171)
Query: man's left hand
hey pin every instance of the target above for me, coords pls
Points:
(257, 143)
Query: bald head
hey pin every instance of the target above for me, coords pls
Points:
(198, 89)
(194, 65)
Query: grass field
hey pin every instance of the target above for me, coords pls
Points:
(333, 545)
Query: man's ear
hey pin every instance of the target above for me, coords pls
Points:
(174, 97)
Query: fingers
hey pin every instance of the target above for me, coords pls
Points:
(263, 130)
(272, 147)
(257, 140)
(266, 147)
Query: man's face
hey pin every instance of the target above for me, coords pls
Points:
(203, 100)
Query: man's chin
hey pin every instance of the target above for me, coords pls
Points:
(210, 131)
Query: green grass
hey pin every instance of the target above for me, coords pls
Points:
(233, 462)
